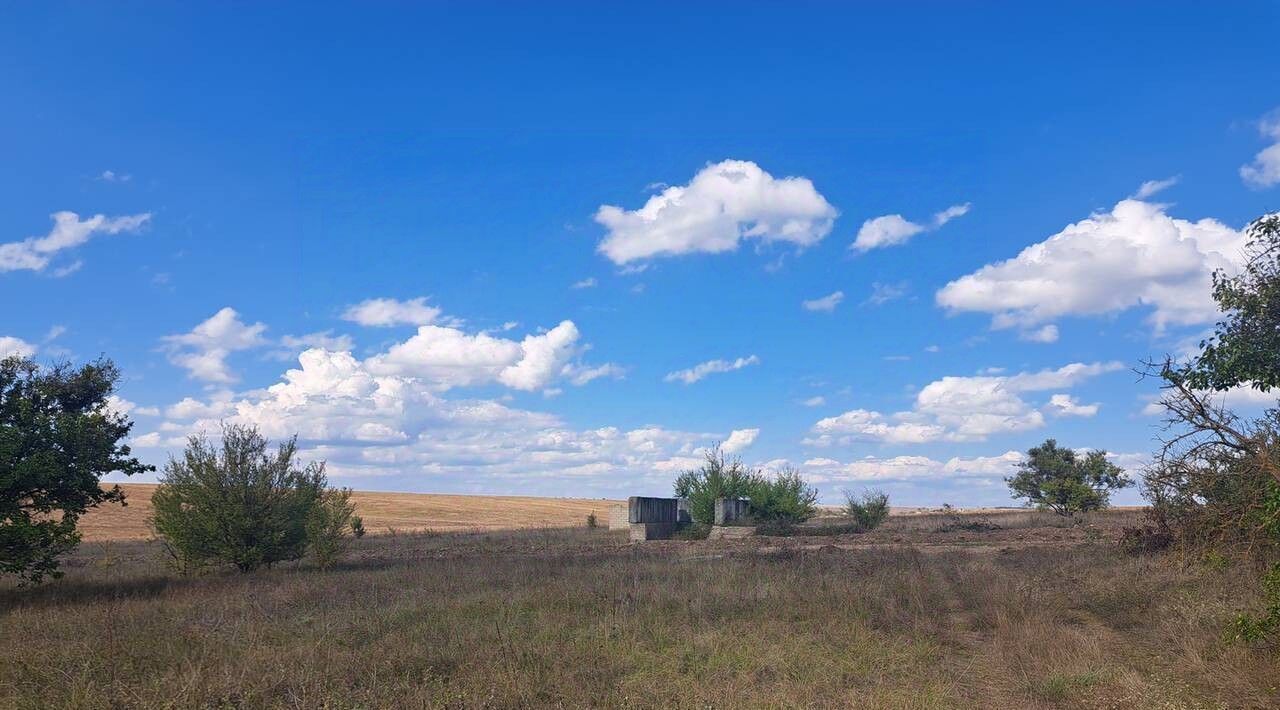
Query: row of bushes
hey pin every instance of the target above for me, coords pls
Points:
(777, 503)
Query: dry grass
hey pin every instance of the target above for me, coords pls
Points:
(903, 617)
(382, 512)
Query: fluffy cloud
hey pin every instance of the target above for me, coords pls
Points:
(722, 205)
(964, 409)
(1043, 334)
(909, 468)
(1152, 187)
(739, 439)
(1264, 171)
(367, 423)
(204, 350)
(1134, 255)
(10, 345)
(827, 303)
(386, 312)
(448, 357)
(893, 229)
(701, 370)
(1064, 405)
(69, 231)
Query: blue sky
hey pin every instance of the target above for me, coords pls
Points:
(406, 197)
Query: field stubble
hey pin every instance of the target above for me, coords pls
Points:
(915, 614)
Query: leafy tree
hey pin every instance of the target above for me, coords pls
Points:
(330, 524)
(237, 504)
(785, 498)
(1245, 346)
(867, 510)
(58, 437)
(718, 477)
(1057, 479)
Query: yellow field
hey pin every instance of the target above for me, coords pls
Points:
(382, 512)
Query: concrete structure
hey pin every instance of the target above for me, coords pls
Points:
(730, 532)
(684, 515)
(730, 510)
(618, 517)
(651, 518)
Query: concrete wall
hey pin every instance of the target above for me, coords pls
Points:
(618, 517)
(651, 531)
(651, 510)
(729, 510)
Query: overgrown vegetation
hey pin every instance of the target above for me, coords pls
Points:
(785, 498)
(242, 505)
(577, 618)
(1216, 480)
(330, 526)
(866, 510)
(1057, 479)
(58, 438)
(718, 477)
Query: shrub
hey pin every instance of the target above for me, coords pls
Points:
(238, 505)
(58, 437)
(955, 521)
(718, 477)
(329, 526)
(1056, 479)
(866, 511)
(357, 526)
(1263, 627)
(591, 520)
(786, 498)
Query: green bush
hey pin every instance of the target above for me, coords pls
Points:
(718, 477)
(238, 504)
(786, 498)
(592, 522)
(1261, 628)
(357, 526)
(329, 526)
(866, 511)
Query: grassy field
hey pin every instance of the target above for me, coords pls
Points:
(382, 513)
(928, 611)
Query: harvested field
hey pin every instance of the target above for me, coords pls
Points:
(383, 513)
(1021, 611)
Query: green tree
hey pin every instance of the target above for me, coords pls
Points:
(1245, 346)
(330, 525)
(237, 503)
(1057, 479)
(58, 437)
(718, 477)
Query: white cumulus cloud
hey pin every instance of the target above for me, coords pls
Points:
(1136, 255)
(739, 439)
(385, 312)
(69, 231)
(894, 229)
(204, 350)
(724, 204)
(11, 346)
(1264, 171)
(964, 408)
